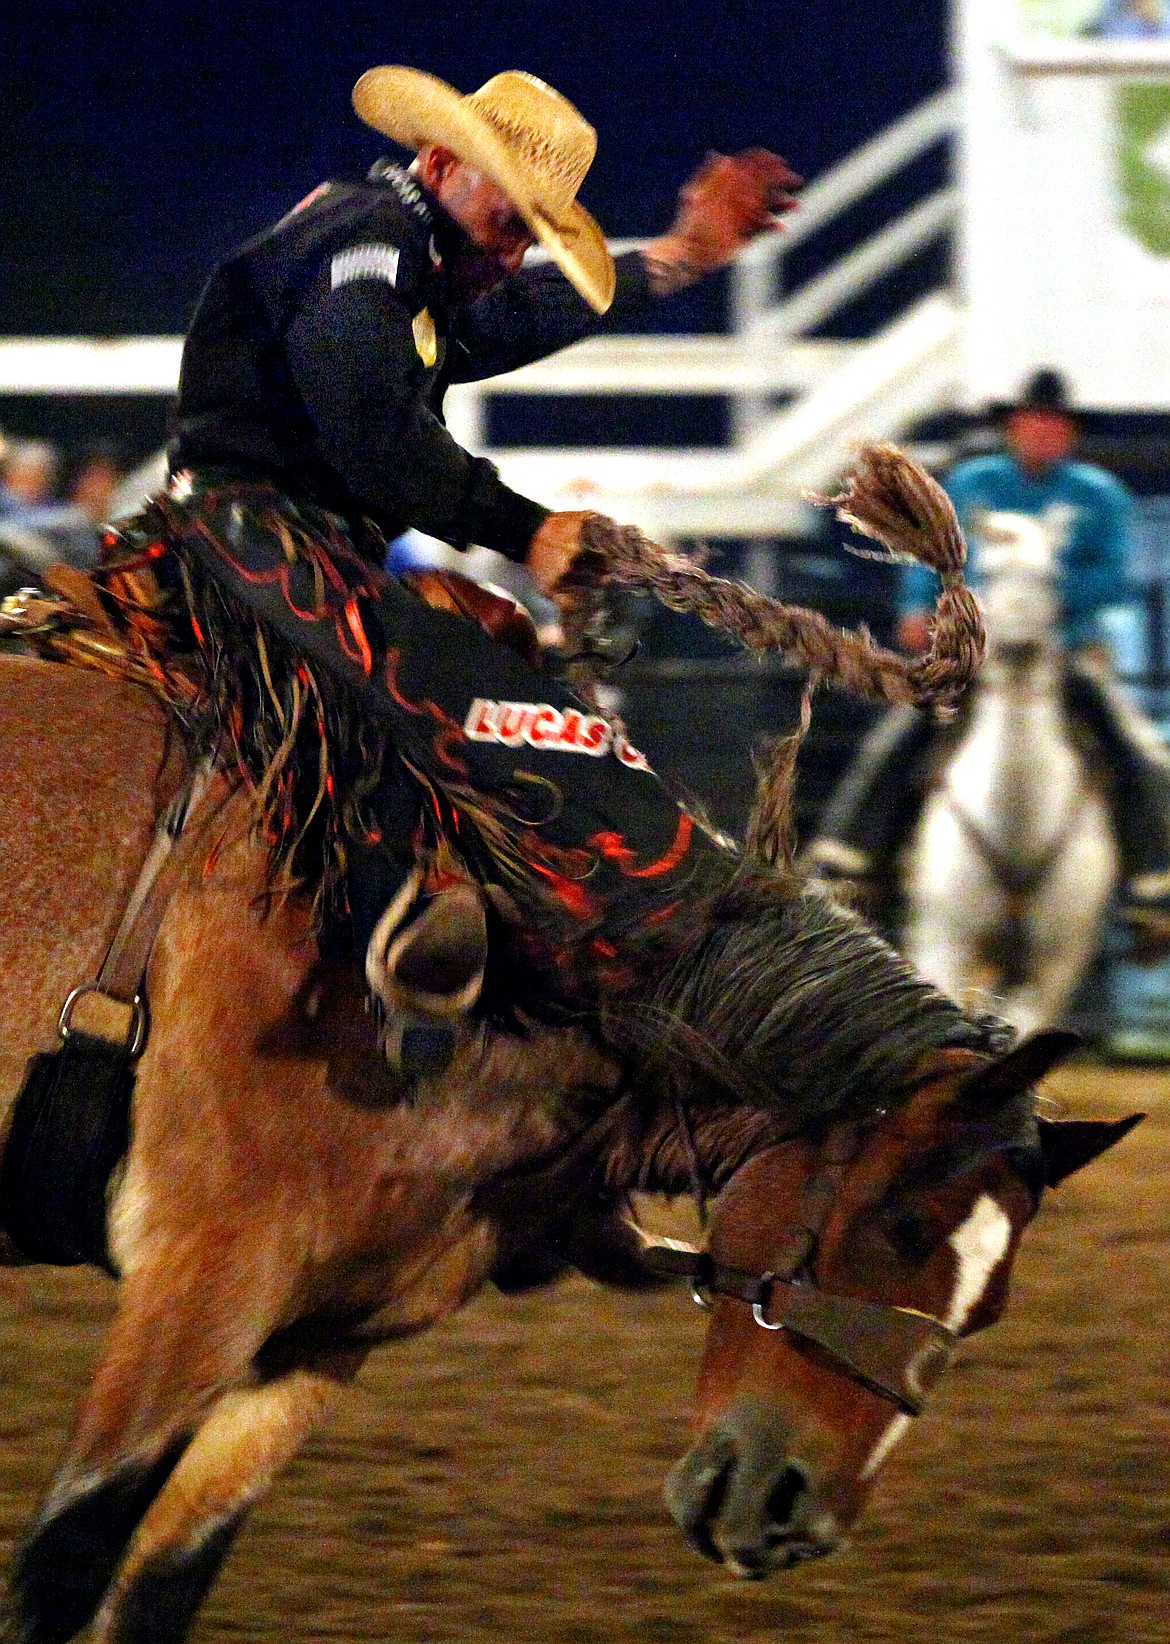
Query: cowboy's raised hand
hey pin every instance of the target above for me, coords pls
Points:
(730, 200)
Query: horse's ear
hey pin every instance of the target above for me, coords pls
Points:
(1073, 1143)
(1018, 1070)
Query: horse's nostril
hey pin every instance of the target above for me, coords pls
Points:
(702, 1528)
(695, 1493)
(784, 1495)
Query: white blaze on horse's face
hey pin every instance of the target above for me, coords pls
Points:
(980, 1243)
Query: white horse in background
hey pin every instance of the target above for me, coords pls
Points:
(1008, 875)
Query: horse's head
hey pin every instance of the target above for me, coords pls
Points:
(1018, 565)
(830, 1325)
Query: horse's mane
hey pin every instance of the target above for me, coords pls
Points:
(787, 1004)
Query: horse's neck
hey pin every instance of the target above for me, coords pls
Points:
(1017, 771)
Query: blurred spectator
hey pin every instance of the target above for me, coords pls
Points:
(35, 529)
(138, 483)
(96, 475)
(31, 469)
(1131, 20)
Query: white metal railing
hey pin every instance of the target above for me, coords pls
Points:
(89, 365)
(754, 488)
(673, 365)
(866, 168)
(889, 248)
(1143, 59)
(760, 309)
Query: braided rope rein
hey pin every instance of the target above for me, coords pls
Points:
(886, 497)
(889, 499)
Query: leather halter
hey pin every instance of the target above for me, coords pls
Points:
(896, 1352)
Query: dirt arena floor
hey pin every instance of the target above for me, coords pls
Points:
(499, 1479)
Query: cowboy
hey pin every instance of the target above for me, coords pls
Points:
(1090, 513)
(309, 431)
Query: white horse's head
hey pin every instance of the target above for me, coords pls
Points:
(1018, 565)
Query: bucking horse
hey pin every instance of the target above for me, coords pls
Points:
(867, 1153)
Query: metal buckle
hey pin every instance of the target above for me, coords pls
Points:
(137, 1037)
(758, 1308)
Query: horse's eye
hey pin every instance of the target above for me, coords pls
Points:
(912, 1236)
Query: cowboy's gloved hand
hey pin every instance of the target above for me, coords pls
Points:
(558, 560)
(728, 202)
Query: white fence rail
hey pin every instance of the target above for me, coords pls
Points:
(866, 169)
(89, 365)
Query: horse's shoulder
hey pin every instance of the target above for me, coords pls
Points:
(85, 764)
(58, 694)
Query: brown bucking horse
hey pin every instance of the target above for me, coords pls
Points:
(870, 1154)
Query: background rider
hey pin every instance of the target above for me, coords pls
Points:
(1090, 515)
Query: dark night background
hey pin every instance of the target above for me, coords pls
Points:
(137, 145)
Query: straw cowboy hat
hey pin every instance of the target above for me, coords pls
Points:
(522, 134)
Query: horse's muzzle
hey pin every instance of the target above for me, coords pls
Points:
(742, 1498)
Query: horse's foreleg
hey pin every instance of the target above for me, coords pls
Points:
(952, 903)
(182, 1337)
(179, 1546)
(65, 1563)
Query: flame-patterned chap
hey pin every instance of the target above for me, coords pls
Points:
(575, 826)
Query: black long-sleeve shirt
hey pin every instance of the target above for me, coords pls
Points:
(320, 352)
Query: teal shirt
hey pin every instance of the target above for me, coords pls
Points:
(1094, 514)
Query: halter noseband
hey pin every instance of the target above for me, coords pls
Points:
(896, 1352)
